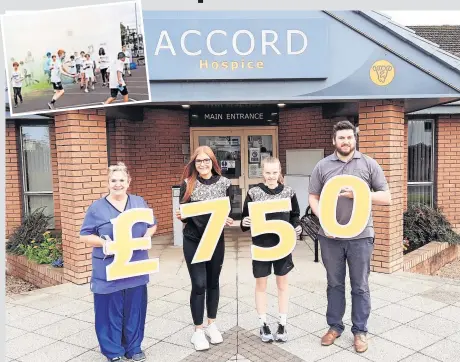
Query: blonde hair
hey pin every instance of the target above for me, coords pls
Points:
(119, 167)
(273, 160)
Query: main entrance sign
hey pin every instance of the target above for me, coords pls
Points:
(191, 49)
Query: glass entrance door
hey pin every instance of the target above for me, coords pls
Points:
(239, 152)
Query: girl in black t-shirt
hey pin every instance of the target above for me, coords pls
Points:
(202, 181)
(273, 188)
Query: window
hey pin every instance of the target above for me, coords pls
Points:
(36, 170)
(420, 177)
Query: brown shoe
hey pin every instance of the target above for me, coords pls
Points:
(360, 343)
(330, 337)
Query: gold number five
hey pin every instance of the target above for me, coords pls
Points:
(219, 210)
(124, 244)
(259, 226)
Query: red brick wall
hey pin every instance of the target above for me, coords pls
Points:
(304, 128)
(41, 276)
(430, 258)
(81, 144)
(381, 129)
(121, 139)
(13, 196)
(448, 168)
(152, 150)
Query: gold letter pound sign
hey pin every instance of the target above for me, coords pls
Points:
(361, 206)
(219, 210)
(260, 225)
(124, 244)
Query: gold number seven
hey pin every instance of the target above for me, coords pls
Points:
(361, 206)
(219, 210)
(259, 226)
(124, 244)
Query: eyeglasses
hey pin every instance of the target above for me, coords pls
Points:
(206, 161)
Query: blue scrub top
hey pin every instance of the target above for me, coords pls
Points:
(97, 222)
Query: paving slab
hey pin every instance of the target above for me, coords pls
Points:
(413, 318)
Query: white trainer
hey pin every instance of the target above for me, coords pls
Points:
(213, 333)
(199, 340)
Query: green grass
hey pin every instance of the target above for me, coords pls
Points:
(43, 85)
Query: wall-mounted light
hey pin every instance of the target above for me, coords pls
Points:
(186, 106)
(281, 105)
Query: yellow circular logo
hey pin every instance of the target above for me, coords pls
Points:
(382, 72)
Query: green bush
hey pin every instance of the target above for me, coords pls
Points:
(45, 252)
(32, 228)
(423, 224)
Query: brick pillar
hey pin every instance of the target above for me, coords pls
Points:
(381, 131)
(13, 196)
(405, 165)
(54, 169)
(448, 169)
(81, 144)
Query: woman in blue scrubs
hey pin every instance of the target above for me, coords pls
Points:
(120, 306)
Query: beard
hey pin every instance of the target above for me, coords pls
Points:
(345, 154)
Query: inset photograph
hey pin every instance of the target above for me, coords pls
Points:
(73, 58)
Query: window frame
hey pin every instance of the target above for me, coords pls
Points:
(434, 153)
(22, 169)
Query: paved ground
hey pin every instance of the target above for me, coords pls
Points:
(414, 317)
(74, 96)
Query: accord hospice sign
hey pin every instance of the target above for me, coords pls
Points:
(198, 49)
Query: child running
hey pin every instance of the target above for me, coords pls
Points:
(272, 189)
(72, 64)
(78, 61)
(88, 69)
(127, 60)
(116, 81)
(47, 66)
(16, 80)
(82, 73)
(104, 63)
(56, 70)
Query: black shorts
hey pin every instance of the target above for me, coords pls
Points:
(57, 86)
(262, 269)
(114, 92)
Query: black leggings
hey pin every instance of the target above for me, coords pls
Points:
(205, 280)
(17, 93)
(104, 75)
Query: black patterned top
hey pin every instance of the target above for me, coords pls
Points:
(213, 188)
(262, 193)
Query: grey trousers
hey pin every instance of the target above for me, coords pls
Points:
(335, 254)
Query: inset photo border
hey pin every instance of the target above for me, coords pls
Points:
(75, 58)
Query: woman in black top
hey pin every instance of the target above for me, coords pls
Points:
(272, 189)
(202, 181)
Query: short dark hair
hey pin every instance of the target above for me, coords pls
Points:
(341, 126)
(15, 64)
